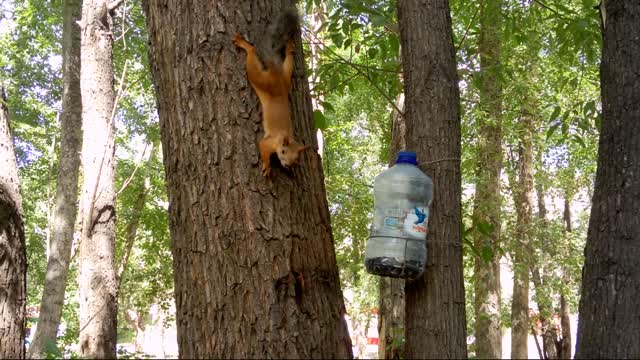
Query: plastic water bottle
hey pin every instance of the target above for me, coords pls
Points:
(397, 240)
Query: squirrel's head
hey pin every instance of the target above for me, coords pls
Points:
(289, 151)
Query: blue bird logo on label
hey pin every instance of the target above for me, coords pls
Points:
(421, 216)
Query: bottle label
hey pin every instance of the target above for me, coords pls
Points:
(401, 223)
(415, 223)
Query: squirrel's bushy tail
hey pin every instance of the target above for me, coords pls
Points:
(278, 34)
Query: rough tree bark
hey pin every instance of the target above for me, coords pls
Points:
(13, 258)
(98, 287)
(254, 264)
(435, 322)
(64, 216)
(609, 314)
(391, 310)
(523, 198)
(488, 199)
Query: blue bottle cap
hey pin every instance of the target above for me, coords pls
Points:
(407, 157)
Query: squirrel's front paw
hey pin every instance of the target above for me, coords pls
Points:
(266, 171)
(238, 40)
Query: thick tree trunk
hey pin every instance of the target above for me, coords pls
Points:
(64, 216)
(98, 288)
(488, 199)
(254, 264)
(13, 258)
(391, 311)
(609, 313)
(435, 322)
(523, 196)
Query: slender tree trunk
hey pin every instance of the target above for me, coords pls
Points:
(609, 313)
(131, 231)
(254, 264)
(139, 327)
(391, 310)
(435, 308)
(545, 310)
(523, 198)
(13, 258)
(488, 199)
(535, 339)
(64, 216)
(98, 287)
(565, 311)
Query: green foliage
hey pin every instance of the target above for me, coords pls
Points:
(351, 160)
(52, 350)
(30, 71)
(30, 68)
(548, 69)
(359, 47)
(148, 278)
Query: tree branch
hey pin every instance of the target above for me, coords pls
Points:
(142, 161)
(361, 73)
(469, 27)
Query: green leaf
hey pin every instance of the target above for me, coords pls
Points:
(372, 51)
(589, 107)
(378, 20)
(319, 120)
(487, 253)
(555, 113)
(578, 139)
(472, 247)
(394, 44)
(485, 228)
(552, 129)
(51, 349)
(327, 106)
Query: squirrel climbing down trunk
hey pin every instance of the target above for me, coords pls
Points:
(269, 70)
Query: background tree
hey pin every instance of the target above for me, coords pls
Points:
(611, 277)
(391, 317)
(253, 279)
(98, 285)
(13, 264)
(523, 200)
(64, 215)
(435, 310)
(488, 199)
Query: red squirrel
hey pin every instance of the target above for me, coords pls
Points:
(270, 77)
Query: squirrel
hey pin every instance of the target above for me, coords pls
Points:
(269, 72)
